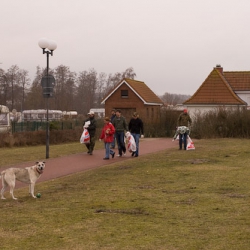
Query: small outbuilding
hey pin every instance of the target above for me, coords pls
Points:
(133, 96)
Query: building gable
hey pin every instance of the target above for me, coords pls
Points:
(140, 89)
(215, 90)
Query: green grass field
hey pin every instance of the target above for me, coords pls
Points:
(171, 200)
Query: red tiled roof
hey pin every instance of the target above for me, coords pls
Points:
(140, 89)
(238, 80)
(218, 89)
(143, 91)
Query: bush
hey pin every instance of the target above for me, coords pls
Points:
(62, 132)
(221, 123)
(39, 137)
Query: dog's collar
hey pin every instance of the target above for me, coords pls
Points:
(39, 171)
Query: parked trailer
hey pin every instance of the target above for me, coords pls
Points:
(5, 123)
(41, 115)
(69, 115)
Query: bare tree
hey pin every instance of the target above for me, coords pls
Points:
(65, 88)
(101, 83)
(129, 73)
(113, 80)
(34, 98)
(87, 84)
(3, 87)
(12, 75)
(24, 82)
(173, 99)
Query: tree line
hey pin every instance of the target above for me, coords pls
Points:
(73, 91)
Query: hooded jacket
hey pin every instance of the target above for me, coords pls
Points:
(108, 132)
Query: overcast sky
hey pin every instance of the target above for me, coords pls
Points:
(172, 44)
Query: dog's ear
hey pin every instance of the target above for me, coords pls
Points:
(44, 162)
(37, 162)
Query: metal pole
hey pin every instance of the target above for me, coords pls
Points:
(47, 125)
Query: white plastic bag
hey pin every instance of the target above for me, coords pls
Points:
(86, 124)
(85, 138)
(131, 142)
(190, 144)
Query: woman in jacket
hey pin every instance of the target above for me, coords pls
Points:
(107, 136)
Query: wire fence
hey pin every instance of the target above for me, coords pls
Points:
(41, 125)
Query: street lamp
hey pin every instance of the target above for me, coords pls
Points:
(47, 82)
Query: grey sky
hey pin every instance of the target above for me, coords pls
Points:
(172, 45)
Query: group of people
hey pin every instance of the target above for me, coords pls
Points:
(115, 127)
(113, 132)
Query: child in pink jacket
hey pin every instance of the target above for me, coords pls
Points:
(107, 136)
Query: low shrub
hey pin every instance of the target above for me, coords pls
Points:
(221, 123)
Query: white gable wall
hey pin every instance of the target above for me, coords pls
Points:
(244, 95)
(193, 110)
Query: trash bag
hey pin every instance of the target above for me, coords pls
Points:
(131, 142)
(190, 144)
(85, 137)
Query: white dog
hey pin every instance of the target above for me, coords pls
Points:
(27, 175)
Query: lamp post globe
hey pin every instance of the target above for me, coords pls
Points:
(43, 43)
(52, 45)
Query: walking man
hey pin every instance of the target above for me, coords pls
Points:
(136, 129)
(90, 125)
(112, 145)
(120, 125)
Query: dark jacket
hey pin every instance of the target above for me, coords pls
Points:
(112, 117)
(92, 126)
(120, 124)
(136, 126)
(184, 120)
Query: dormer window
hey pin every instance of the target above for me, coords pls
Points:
(124, 93)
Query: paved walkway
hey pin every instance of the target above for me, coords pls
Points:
(66, 165)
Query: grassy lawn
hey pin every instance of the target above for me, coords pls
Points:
(10, 156)
(171, 200)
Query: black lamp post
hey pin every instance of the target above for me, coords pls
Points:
(48, 82)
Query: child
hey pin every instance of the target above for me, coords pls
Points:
(107, 136)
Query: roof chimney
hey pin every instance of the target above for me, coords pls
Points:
(219, 68)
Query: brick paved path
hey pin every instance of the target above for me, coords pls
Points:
(65, 165)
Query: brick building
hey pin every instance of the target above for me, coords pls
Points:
(134, 96)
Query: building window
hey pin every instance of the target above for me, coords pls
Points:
(124, 93)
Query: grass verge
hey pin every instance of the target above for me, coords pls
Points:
(10, 156)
